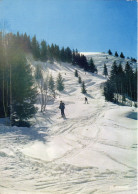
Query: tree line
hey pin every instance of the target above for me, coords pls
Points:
(121, 55)
(42, 50)
(45, 52)
(81, 61)
(121, 82)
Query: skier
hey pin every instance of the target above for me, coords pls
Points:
(62, 107)
(86, 100)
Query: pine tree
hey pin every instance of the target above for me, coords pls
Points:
(52, 85)
(60, 83)
(123, 99)
(109, 52)
(73, 58)
(116, 54)
(35, 48)
(83, 63)
(105, 71)
(76, 73)
(78, 59)
(57, 53)
(110, 87)
(17, 91)
(23, 90)
(122, 55)
(114, 70)
(83, 88)
(43, 51)
(92, 67)
(79, 80)
(133, 60)
(109, 91)
(129, 77)
(68, 55)
(120, 79)
(62, 55)
(50, 50)
(135, 85)
(4, 72)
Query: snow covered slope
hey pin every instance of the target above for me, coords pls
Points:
(93, 150)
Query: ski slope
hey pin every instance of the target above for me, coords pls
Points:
(93, 150)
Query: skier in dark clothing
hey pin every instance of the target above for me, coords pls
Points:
(62, 107)
(86, 100)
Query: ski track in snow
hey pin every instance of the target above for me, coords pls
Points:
(92, 151)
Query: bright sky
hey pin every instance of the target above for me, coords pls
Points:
(88, 25)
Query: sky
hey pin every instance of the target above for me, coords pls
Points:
(88, 25)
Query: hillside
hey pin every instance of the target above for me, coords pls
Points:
(93, 150)
(101, 58)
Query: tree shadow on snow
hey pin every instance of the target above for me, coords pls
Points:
(89, 95)
(35, 133)
(32, 133)
(132, 115)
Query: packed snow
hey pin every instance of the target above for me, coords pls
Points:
(92, 150)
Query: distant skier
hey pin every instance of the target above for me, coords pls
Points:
(86, 100)
(62, 107)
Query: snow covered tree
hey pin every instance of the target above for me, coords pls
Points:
(76, 73)
(60, 83)
(105, 71)
(83, 88)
